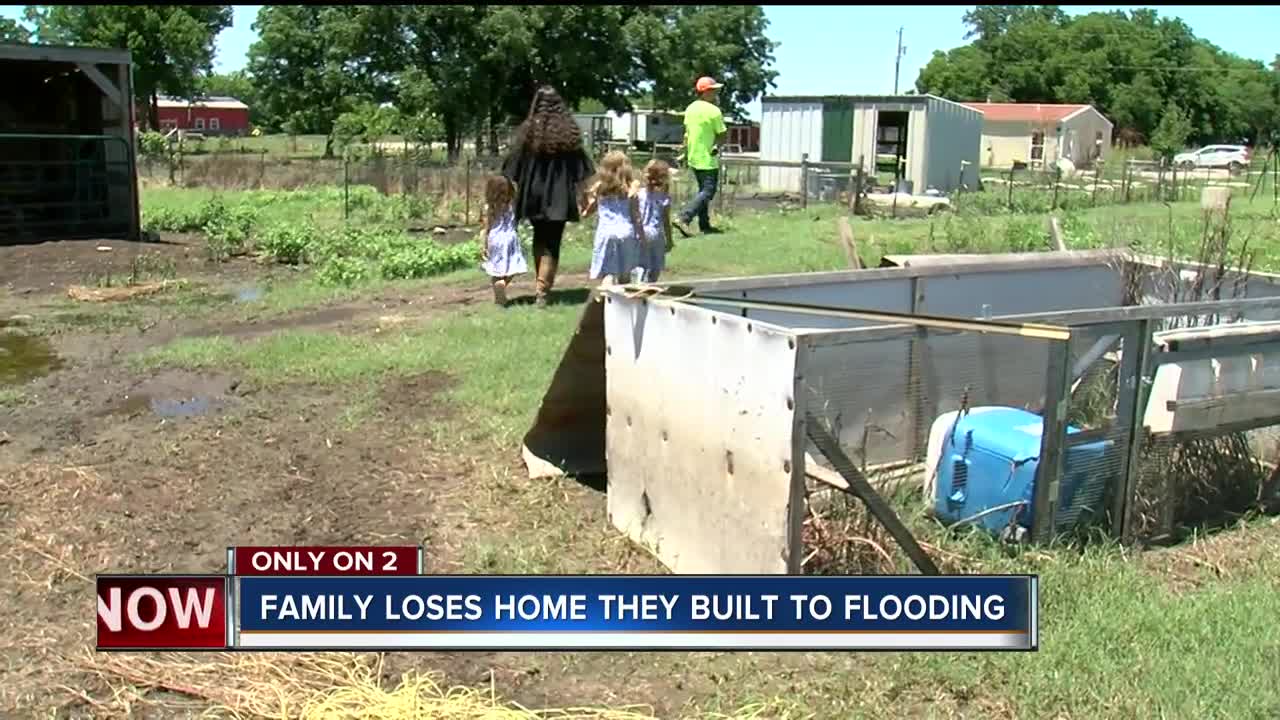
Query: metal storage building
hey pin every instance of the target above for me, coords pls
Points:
(925, 135)
(67, 146)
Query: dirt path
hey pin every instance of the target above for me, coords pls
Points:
(104, 468)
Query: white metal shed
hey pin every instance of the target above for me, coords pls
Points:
(927, 139)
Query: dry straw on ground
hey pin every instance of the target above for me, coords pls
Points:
(126, 292)
(329, 686)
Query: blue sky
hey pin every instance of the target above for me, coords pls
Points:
(850, 49)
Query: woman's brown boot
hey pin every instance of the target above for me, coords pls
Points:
(546, 280)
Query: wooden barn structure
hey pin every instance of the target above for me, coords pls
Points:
(67, 146)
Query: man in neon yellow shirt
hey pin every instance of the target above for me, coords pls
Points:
(704, 132)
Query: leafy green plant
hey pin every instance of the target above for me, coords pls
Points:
(427, 259)
(287, 244)
(343, 270)
(227, 229)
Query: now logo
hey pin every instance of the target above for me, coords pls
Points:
(162, 612)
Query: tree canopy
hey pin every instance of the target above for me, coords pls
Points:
(1139, 69)
(457, 69)
(172, 45)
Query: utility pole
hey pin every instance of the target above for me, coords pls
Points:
(897, 62)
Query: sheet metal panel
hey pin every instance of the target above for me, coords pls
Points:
(953, 135)
(700, 428)
(787, 132)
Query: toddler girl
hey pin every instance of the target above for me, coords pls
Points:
(610, 195)
(655, 219)
(503, 257)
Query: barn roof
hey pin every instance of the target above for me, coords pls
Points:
(1035, 113)
(217, 102)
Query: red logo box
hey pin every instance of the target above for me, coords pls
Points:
(162, 612)
(325, 560)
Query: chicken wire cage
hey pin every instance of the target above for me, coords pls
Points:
(1011, 392)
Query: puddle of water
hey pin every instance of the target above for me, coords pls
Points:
(25, 357)
(249, 294)
(165, 408)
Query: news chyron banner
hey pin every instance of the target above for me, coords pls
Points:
(376, 598)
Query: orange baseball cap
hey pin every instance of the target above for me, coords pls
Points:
(706, 83)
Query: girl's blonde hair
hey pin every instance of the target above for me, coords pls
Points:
(614, 177)
(498, 194)
(657, 175)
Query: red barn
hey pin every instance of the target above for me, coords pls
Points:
(745, 135)
(211, 116)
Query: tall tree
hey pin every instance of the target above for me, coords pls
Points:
(1131, 66)
(172, 45)
(12, 32)
(676, 44)
(237, 85)
(306, 66)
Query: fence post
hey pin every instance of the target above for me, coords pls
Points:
(1128, 180)
(1135, 365)
(1010, 188)
(804, 180)
(858, 185)
(1097, 173)
(1275, 177)
(1057, 398)
(346, 184)
(466, 204)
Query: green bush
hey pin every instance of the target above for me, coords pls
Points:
(227, 229)
(288, 244)
(342, 270)
(427, 259)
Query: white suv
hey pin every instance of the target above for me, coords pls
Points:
(1234, 157)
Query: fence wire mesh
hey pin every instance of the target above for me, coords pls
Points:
(1211, 441)
(945, 422)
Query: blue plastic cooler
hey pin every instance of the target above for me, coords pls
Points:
(990, 459)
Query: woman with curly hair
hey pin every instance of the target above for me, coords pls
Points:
(547, 163)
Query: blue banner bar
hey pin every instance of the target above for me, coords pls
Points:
(638, 604)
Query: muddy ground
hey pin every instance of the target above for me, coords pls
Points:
(106, 468)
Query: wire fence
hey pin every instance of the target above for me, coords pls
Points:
(746, 184)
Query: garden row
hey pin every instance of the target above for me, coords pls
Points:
(306, 228)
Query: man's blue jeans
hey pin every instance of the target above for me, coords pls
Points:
(708, 183)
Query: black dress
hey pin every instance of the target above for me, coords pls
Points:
(547, 185)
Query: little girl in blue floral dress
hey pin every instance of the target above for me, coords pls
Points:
(655, 219)
(503, 256)
(616, 251)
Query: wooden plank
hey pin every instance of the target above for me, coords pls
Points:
(846, 241)
(1052, 438)
(861, 489)
(1055, 233)
(1044, 332)
(107, 87)
(65, 54)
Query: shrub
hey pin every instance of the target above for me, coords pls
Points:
(341, 270)
(426, 259)
(288, 244)
(227, 230)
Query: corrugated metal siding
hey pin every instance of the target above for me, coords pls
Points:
(787, 132)
(837, 131)
(953, 134)
(918, 148)
(864, 137)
